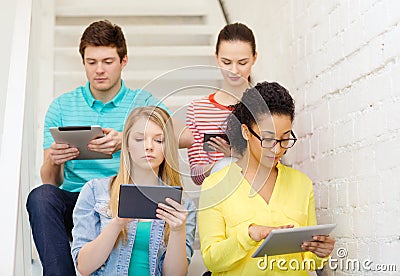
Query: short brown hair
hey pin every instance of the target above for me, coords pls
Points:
(103, 33)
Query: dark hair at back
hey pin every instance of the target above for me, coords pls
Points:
(266, 98)
(103, 33)
(236, 32)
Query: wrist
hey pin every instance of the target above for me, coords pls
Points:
(118, 223)
(250, 230)
(181, 230)
(177, 234)
(119, 143)
(53, 164)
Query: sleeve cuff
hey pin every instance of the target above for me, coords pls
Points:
(244, 239)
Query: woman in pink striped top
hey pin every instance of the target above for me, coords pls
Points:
(235, 54)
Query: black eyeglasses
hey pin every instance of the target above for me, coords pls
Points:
(269, 143)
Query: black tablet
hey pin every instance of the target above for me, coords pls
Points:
(140, 202)
(79, 137)
(207, 136)
(289, 240)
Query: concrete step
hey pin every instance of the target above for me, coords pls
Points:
(146, 35)
(152, 51)
(197, 86)
(145, 63)
(74, 63)
(67, 8)
(133, 20)
(185, 73)
(75, 31)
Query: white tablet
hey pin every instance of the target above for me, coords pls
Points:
(79, 137)
(289, 240)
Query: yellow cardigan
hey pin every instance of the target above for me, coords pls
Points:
(228, 205)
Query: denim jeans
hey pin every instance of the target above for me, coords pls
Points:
(50, 215)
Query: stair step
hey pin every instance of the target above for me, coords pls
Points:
(173, 35)
(73, 31)
(169, 51)
(68, 62)
(159, 88)
(132, 20)
(67, 8)
(74, 63)
(188, 73)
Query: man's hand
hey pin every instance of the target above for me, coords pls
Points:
(61, 153)
(108, 144)
(52, 170)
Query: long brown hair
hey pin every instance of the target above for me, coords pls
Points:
(169, 169)
(237, 32)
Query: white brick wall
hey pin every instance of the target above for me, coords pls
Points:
(341, 61)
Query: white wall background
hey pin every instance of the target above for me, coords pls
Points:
(341, 61)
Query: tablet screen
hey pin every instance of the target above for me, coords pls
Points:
(289, 240)
(140, 202)
(207, 137)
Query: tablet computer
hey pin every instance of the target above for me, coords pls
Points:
(140, 202)
(207, 136)
(79, 137)
(289, 240)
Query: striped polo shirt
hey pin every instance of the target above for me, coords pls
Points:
(204, 116)
(80, 108)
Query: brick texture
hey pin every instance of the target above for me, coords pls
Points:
(341, 61)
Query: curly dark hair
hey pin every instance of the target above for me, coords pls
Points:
(264, 98)
(103, 33)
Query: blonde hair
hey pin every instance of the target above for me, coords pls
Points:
(169, 169)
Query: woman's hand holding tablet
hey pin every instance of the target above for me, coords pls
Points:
(292, 240)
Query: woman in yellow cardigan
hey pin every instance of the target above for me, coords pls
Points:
(242, 203)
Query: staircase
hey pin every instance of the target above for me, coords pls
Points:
(161, 36)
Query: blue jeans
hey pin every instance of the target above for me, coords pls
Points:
(50, 215)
